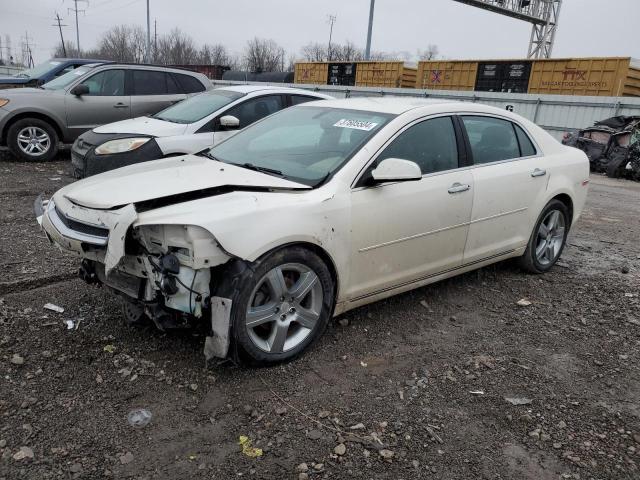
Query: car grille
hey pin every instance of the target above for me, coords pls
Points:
(82, 227)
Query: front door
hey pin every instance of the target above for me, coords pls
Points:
(407, 231)
(106, 102)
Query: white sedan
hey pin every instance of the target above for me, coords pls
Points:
(189, 126)
(319, 209)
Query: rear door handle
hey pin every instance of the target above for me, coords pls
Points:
(458, 188)
(120, 105)
(538, 172)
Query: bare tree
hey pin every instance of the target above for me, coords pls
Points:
(214, 55)
(176, 48)
(431, 53)
(261, 55)
(123, 43)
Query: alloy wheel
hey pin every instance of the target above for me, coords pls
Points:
(284, 308)
(550, 237)
(34, 141)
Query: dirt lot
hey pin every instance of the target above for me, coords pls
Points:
(411, 387)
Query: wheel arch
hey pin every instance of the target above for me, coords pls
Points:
(566, 199)
(318, 250)
(40, 116)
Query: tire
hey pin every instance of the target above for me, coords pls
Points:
(542, 261)
(268, 292)
(35, 135)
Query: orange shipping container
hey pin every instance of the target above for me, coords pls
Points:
(616, 77)
(316, 73)
(447, 75)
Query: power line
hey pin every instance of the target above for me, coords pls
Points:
(60, 25)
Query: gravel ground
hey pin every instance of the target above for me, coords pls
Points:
(412, 387)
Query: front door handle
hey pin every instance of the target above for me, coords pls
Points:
(120, 105)
(538, 172)
(458, 188)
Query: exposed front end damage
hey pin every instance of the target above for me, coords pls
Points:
(163, 271)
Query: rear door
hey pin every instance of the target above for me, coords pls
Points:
(106, 102)
(510, 175)
(152, 91)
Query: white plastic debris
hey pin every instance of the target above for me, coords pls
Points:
(477, 392)
(518, 400)
(70, 324)
(139, 417)
(53, 308)
(524, 302)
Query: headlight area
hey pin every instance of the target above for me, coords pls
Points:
(121, 145)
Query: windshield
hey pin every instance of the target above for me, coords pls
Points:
(304, 144)
(37, 71)
(197, 107)
(64, 80)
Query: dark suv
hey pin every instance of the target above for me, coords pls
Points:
(33, 121)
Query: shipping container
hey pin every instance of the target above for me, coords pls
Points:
(447, 75)
(616, 77)
(508, 77)
(361, 74)
(315, 73)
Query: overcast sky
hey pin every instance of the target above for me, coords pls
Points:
(587, 27)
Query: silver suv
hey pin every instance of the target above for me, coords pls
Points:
(33, 121)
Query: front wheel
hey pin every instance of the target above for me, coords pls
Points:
(32, 139)
(283, 306)
(548, 238)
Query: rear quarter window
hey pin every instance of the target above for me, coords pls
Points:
(189, 84)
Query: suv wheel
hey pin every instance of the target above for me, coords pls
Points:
(32, 139)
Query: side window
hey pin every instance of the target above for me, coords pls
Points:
(172, 85)
(491, 139)
(255, 109)
(189, 84)
(431, 144)
(107, 83)
(298, 99)
(149, 82)
(526, 147)
(67, 69)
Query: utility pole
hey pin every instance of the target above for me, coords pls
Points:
(155, 39)
(27, 57)
(332, 20)
(367, 52)
(60, 25)
(75, 9)
(148, 49)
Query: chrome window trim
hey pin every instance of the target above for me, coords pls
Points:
(539, 153)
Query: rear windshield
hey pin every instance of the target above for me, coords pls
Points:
(68, 78)
(198, 107)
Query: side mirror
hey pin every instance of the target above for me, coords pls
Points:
(396, 170)
(79, 90)
(229, 122)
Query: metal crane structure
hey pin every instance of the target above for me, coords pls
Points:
(542, 14)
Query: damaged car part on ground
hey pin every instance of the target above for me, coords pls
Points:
(316, 210)
(612, 146)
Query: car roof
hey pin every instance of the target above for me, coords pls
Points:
(400, 105)
(83, 60)
(246, 89)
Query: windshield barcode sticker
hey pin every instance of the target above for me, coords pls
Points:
(357, 124)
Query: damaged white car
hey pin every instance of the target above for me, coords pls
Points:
(318, 209)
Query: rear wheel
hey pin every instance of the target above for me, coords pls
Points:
(32, 139)
(283, 306)
(548, 238)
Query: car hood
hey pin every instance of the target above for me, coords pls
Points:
(171, 180)
(10, 92)
(10, 79)
(147, 126)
